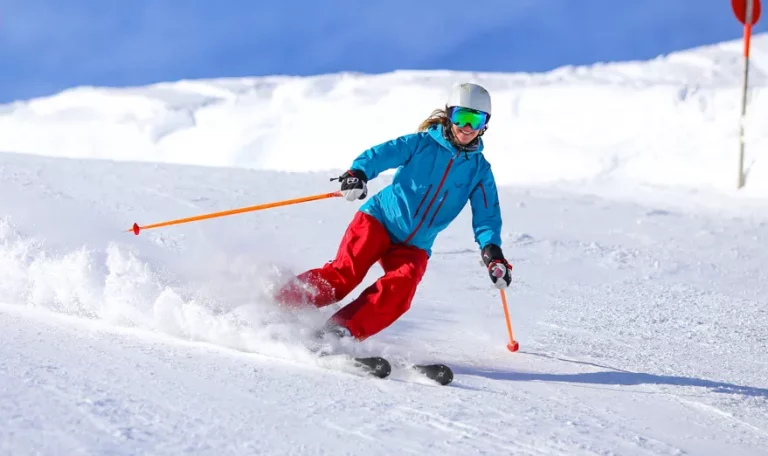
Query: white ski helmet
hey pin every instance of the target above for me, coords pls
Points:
(470, 96)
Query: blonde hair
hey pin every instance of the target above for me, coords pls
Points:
(438, 116)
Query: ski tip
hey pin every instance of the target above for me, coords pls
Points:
(375, 365)
(439, 373)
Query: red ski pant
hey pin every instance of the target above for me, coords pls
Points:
(364, 243)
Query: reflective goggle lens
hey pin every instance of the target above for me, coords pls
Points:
(465, 116)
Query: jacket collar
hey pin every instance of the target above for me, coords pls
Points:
(436, 132)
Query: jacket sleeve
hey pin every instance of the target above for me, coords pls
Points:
(486, 214)
(388, 155)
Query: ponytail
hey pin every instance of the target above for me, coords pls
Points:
(438, 117)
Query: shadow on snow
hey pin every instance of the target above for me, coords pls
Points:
(611, 376)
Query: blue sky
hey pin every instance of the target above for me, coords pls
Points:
(49, 45)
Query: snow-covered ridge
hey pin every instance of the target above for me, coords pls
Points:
(671, 121)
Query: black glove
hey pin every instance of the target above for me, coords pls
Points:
(353, 184)
(498, 268)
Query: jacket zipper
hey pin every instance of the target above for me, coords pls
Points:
(445, 195)
(422, 201)
(431, 202)
(485, 200)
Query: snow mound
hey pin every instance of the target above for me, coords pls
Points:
(672, 121)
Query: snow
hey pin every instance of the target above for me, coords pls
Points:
(670, 121)
(638, 296)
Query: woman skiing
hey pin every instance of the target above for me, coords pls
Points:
(440, 168)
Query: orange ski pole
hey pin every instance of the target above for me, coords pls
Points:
(136, 228)
(512, 346)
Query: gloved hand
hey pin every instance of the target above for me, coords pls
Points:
(353, 185)
(498, 268)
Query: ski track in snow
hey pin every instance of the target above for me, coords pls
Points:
(642, 324)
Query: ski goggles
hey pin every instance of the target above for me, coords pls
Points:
(465, 116)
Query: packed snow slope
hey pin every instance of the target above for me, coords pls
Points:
(670, 121)
(639, 297)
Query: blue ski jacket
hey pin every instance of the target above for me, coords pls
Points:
(431, 187)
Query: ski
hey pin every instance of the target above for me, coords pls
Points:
(379, 367)
(374, 365)
(440, 373)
